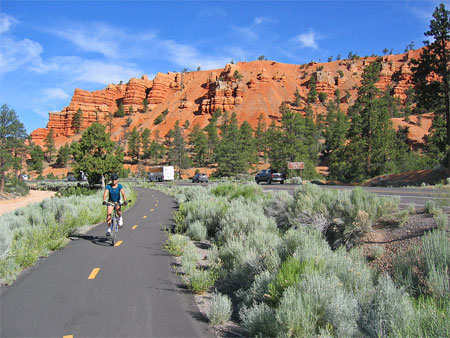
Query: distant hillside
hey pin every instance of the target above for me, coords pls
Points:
(247, 88)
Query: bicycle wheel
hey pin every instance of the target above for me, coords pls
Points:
(114, 231)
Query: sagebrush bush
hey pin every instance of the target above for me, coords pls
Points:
(389, 310)
(376, 251)
(208, 211)
(219, 309)
(441, 221)
(196, 231)
(175, 244)
(232, 190)
(277, 207)
(199, 280)
(241, 219)
(189, 258)
(258, 292)
(259, 320)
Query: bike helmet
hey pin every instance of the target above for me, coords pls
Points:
(114, 177)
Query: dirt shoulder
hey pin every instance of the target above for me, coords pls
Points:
(33, 197)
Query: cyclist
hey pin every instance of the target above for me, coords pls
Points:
(114, 189)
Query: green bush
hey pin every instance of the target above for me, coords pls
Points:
(175, 244)
(259, 320)
(232, 191)
(441, 221)
(15, 186)
(219, 310)
(196, 231)
(200, 280)
(189, 258)
(159, 119)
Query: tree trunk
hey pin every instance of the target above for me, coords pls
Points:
(103, 182)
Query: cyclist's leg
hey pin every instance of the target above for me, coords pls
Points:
(108, 215)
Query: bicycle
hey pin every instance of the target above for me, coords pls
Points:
(114, 219)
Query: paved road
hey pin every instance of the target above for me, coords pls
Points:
(416, 196)
(135, 292)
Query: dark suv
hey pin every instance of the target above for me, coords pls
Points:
(269, 176)
(199, 178)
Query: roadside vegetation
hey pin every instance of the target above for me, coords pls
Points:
(282, 265)
(40, 228)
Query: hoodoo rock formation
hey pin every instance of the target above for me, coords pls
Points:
(247, 88)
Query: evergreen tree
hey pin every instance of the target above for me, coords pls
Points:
(247, 144)
(177, 153)
(312, 95)
(63, 156)
(120, 112)
(336, 129)
(230, 159)
(295, 140)
(145, 105)
(96, 155)
(134, 145)
(49, 143)
(36, 161)
(77, 120)
(260, 139)
(12, 143)
(145, 142)
(432, 81)
(212, 134)
(199, 143)
(371, 148)
(298, 98)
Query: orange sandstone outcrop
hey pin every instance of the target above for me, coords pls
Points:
(247, 88)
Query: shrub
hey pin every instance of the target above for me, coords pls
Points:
(376, 251)
(189, 258)
(402, 217)
(441, 221)
(430, 207)
(258, 292)
(232, 191)
(200, 280)
(259, 320)
(159, 119)
(208, 211)
(389, 310)
(196, 231)
(176, 244)
(219, 310)
(278, 208)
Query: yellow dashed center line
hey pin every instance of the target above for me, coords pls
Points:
(152, 209)
(134, 227)
(94, 273)
(156, 204)
(70, 336)
(144, 217)
(118, 243)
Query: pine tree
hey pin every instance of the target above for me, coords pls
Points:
(336, 129)
(96, 155)
(145, 142)
(134, 145)
(120, 112)
(12, 142)
(63, 156)
(312, 95)
(36, 159)
(77, 120)
(49, 143)
(298, 98)
(296, 139)
(212, 135)
(371, 147)
(199, 143)
(109, 122)
(260, 139)
(432, 80)
(247, 145)
(177, 153)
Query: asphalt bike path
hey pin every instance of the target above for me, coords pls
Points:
(92, 289)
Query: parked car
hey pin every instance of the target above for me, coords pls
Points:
(269, 176)
(200, 178)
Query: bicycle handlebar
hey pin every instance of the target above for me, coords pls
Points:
(111, 204)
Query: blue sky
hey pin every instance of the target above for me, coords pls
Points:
(49, 48)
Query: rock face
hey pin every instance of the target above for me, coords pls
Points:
(247, 88)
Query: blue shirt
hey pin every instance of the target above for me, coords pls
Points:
(114, 193)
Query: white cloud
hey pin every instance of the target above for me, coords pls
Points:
(188, 56)
(6, 21)
(308, 40)
(96, 37)
(55, 93)
(18, 53)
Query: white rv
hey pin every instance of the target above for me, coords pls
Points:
(160, 174)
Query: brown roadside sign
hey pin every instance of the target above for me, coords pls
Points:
(296, 165)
